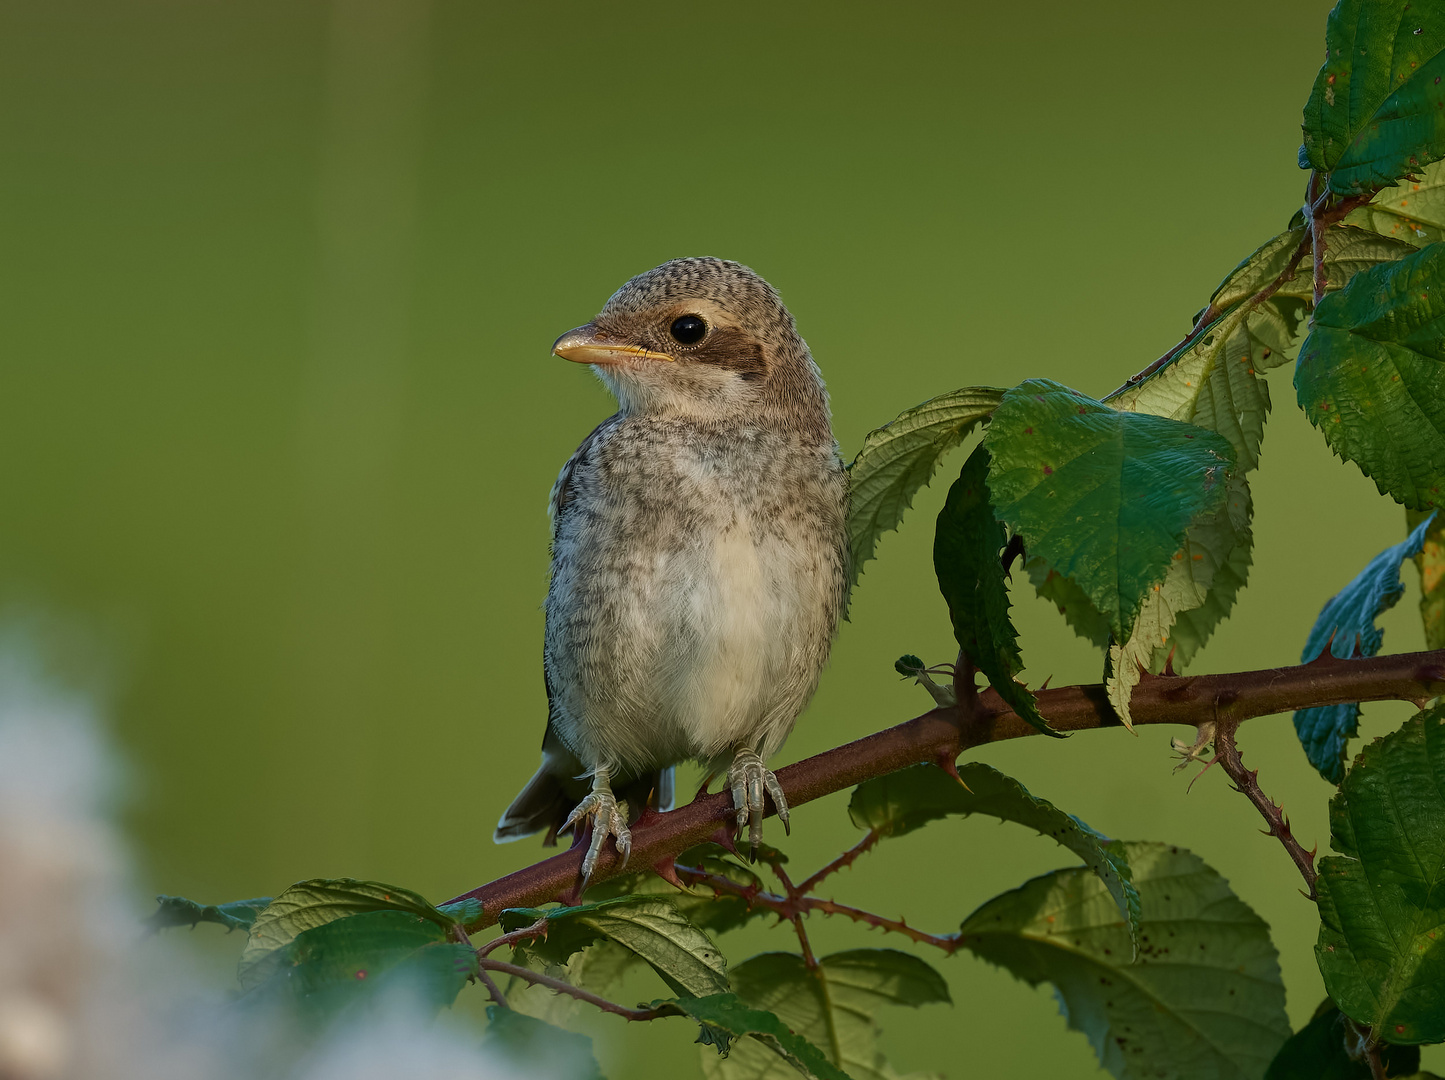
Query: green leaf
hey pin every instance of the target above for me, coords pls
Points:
(1347, 624)
(1204, 997)
(832, 1006)
(900, 457)
(1381, 947)
(537, 1048)
(463, 912)
(178, 911)
(725, 1020)
(1318, 1052)
(650, 926)
(1348, 251)
(1430, 562)
(1262, 267)
(1223, 579)
(310, 904)
(1178, 615)
(1213, 385)
(1375, 111)
(353, 959)
(900, 802)
(1104, 497)
(1073, 603)
(704, 907)
(967, 549)
(1413, 210)
(1216, 384)
(1371, 375)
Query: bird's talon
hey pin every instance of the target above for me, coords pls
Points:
(751, 782)
(780, 801)
(607, 820)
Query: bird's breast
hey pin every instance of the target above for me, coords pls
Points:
(693, 600)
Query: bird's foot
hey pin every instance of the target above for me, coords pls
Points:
(607, 820)
(749, 777)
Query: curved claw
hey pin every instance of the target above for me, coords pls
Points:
(607, 820)
(749, 779)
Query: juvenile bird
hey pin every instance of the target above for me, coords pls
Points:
(699, 555)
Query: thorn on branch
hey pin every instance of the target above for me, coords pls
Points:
(666, 869)
(723, 838)
(1246, 782)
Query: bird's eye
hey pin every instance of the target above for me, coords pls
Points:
(688, 329)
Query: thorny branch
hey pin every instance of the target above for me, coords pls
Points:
(577, 992)
(790, 907)
(942, 734)
(1319, 216)
(796, 918)
(846, 859)
(1246, 782)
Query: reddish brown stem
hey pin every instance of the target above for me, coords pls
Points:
(846, 859)
(537, 929)
(1376, 1063)
(493, 990)
(947, 942)
(1188, 700)
(1207, 317)
(1319, 216)
(794, 913)
(576, 991)
(1246, 782)
(792, 908)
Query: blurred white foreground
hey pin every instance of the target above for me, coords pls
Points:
(83, 992)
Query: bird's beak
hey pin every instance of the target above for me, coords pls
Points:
(588, 345)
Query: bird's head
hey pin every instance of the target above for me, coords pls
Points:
(701, 337)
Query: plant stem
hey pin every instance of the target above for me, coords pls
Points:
(947, 942)
(1188, 700)
(537, 929)
(786, 908)
(493, 990)
(1319, 216)
(577, 992)
(1246, 782)
(846, 859)
(789, 908)
(1211, 314)
(1376, 1063)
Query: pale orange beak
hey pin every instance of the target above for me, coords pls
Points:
(587, 345)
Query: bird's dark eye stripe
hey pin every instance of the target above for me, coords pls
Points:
(688, 329)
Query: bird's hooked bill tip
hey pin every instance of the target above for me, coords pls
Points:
(584, 346)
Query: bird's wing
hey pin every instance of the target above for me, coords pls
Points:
(562, 490)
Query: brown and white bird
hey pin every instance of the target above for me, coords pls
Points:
(699, 555)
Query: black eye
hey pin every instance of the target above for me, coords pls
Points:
(688, 329)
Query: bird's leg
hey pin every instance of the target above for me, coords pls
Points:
(607, 820)
(749, 777)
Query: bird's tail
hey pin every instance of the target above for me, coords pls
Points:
(542, 805)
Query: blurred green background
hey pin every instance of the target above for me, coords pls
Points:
(279, 421)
